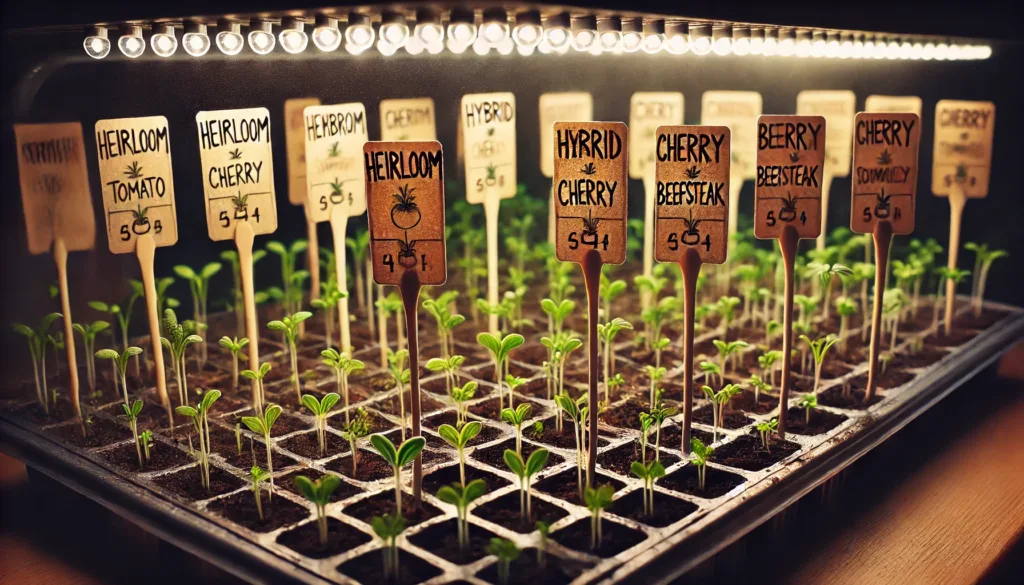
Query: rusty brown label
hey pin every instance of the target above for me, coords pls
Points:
(790, 164)
(590, 190)
(405, 202)
(884, 188)
(963, 147)
(692, 198)
(295, 146)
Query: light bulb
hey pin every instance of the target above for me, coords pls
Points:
(916, 51)
(632, 34)
(461, 30)
(355, 49)
(906, 50)
(455, 46)
(506, 46)
(584, 32)
(928, 53)
(326, 35)
(414, 46)
(97, 44)
(495, 26)
(393, 29)
(385, 47)
(610, 41)
(954, 53)
(818, 45)
(163, 41)
(771, 42)
(195, 41)
(757, 41)
(984, 51)
(229, 37)
(556, 31)
(676, 38)
(846, 47)
(609, 34)
(881, 49)
(435, 47)
(481, 46)
(700, 40)
(359, 33)
(526, 50)
(261, 39)
(293, 36)
(131, 43)
(429, 33)
(740, 41)
(653, 42)
(802, 48)
(721, 40)
(892, 50)
(528, 31)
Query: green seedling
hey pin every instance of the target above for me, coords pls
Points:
(609, 291)
(597, 500)
(398, 458)
(772, 329)
(459, 439)
(767, 362)
(449, 366)
(200, 420)
(819, 348)
(699, 454)
(655, 318)
(578, 415)
(291, 279)
(957, 276)
(388, 528)
(719, 400)
(726, 308)
(320, 409)
(846, 309)
(199, 285)
(710, 369)
(231, 257)
(651, 287)
(543, 532)
(607, 333)
(506, 551)
(401, 375)
(655, 374)
(658, 416)
(132, 414)
(262, 426)
(289, 327)
(359, 246)
(766, 428)
(123, 316)
(983, 259)
(356, 429)
(37, 342)
(120, 361)
(146, 440)
(89, 331)
(557, 313)
(559, 347)
(319, 493)
(238, 439)
(727, 349)
(806, 306)
(461, 395)
(516, 417)
(257, 377)
(500, 350)
(178, 337)
(461, 497)
(646, 422)
(343, 367)
(648, 474)
(808, 402)
(330, 296)
(235, 346)
(894, 301)
(257, 476)
(824, 273)
(759, 386)
(446, 320)
(525, 470)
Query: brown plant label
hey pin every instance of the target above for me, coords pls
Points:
(238, 171)
(838, 108)
(408, 119)
(405, 204)
(590, 190)
(790, 162)
(692, 201)
(295, 147)
(963, 147)
(885, 151)
(554, 107)
(55, 186)
(488, 127)
(335, 136)
(739, 111)
(647, 112)
(138, 185)
(893, 104)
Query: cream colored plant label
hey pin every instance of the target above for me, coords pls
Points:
(692, 174)
(647, 112)
(408, 119)
(590, 190)
(335, 136)
(893, 104)
(738, 110)
(138, 185)
(295, 146)
(405, 203)
(790, 164)
(560, 107)
(963, 147)
(838, 107)
(238, 171)
(885, 151)
(55, 186)
(488, 126)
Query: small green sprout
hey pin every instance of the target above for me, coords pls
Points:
(235, 346)
(846, 308)
(320, 408)
(658, 416)
(238, 438)
(597, 499)
(388, 528)
(648, 473)
(727, 349)
(766, 428)
(449, 366)
(291, 279)
(344, 367)
(199, 285)
(200, 421)
(711, 369)
(401, 375)
(37, 342)
(824, 272)
(945, 274)
(500, 350)
(179, 337)
(262, 425)
(557, 313)
(330, 296)
(120, 361)
(506, 551)
(89, 331)
(607, 333)
(123, 315)
(146, 440)
(699, 454)
(609, 291)
(819, 347)
(646, 422)
(319, 492)
(256, 478)
(719, 400)
(398, 458)
(806, 306)
(578, 415)
(767, 360)
(543, 530)
(446, 320)
(516, 418)
(289, 327)
(257, 377)
(459, 439)
(132, 414)
(808, 402)
(461, 497)
(655, 374)
(983, 259)
(726, 308)
(525, 470)
(356, 429)
(461, 395)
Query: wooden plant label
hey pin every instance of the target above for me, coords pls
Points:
(884, 171)
(335, 136)
(488, 126)
(295, 146)
(408, 119)
(893, 104)
(138, 185)
(738, 110)
(647, 112)
(238, 171)
(790, 161)
(55, 186)
(591, 190)
(405, 197)
(560, 107)
(692, 175)
(838, 107)
(963, 147)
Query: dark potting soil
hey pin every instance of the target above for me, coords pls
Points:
(186, 483)
(495, 454)
(442, 540)
(920, 359)
(59, 412)
(716, 482)
(831, 369)
(745, 401)
(564, 485)
(988, 318)
(622, 457)
(956, 337)
(284, 425)
(505, 512)
(450, 474)
(854, 400)
(521, 371)
(308, 445)
(100, 432)
(222, 442)
(733, 419)
(488, 432)
(891, 380)
(161, 457)
(287, 482)
(391, 406)
(240, 508)
(648, 357)
(526, 571)
(433, 441)
(491, 409)
(667, 509)
(615, 537)
(627, 414)
(671, 436)
(371, 466)
(821, 421)
(747, 452)
(384, 503)
(369, 568)
(552, 438)
(535, 388)
(377, 383)
(531, 353)
(305, 539)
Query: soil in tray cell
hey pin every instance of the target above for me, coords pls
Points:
(369, 568)
(491, 409)
(100, 432)
(495, 454)
(287, 482)
(622, 457)
(565, 486)
(442, 540)
(240, 508)
(384, 503)
(433, 441)
(667, 509)
(745, 401)
(854, 400)
(747, 452)
(733, 419)
(626, 415)
(716, 482)
(371, 466)
(308, 445)
(377, 383)
(615, 537)
(253, 452)
(161, 457)
(531, 353)
(671, 436)
(525, 570)
(890, 380)
(505, 512)
(391, 406)
(820, 422)
(450, 474)
(186, 483)
(925, 357)
(956, 337)
(550, 436)
(987, 318)
(488, 429)
(305, 539)
(284, 425)
(35, 414)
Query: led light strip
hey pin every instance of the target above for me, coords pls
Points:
(526, 32)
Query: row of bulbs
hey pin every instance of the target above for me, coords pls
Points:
(558, 34)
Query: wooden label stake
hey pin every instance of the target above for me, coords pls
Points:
(591, 205)
(405, 202)
(788, 205)
(58, 212)
(295, 146)
(961, 163)
(838, 108)
(883, 199)
(553, 107)
(737, 110)
(692, 227)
